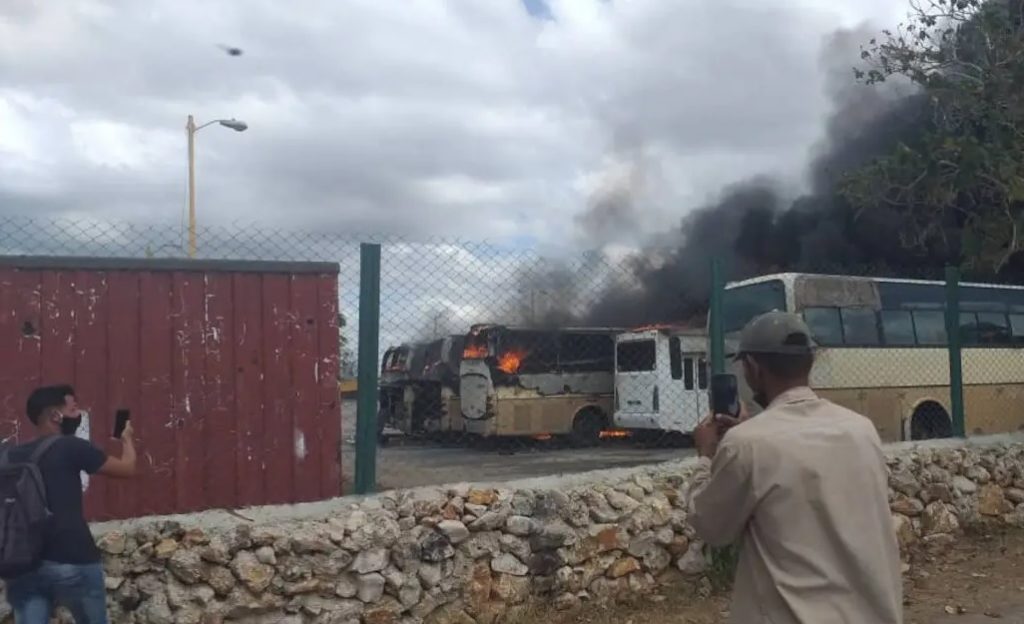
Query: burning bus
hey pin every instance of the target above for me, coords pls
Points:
(538, 382)
(419, 386)
(661, 379)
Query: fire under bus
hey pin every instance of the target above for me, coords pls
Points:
(538, 383)
(419, 386)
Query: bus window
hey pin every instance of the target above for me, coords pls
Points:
(902, 296)
(897, 328)
(968, 328)
(675, 357)
(741, 305)
(688, 373)
(993, 328)
(824, 325)
(860, 326)
(1017, 328)
(930, 327)
(635, 356)
(527, 351)
(702, 374)
(585, 352)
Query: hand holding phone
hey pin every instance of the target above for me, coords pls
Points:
(121, 419)
(724, 390)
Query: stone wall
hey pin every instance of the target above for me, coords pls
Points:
(471, 554)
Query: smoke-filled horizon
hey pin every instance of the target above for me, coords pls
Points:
(755, 227)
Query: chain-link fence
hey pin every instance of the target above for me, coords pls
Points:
(492, 354)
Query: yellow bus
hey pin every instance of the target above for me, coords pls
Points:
(538, 382)
(883, 347)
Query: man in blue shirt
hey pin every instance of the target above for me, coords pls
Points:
(70, 574)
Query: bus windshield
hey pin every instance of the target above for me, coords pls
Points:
(744, 303)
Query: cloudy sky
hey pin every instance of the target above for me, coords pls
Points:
(504, 119)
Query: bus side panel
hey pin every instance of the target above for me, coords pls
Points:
(993, 408)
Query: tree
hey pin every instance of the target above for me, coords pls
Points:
(346, 358)
(958, 185)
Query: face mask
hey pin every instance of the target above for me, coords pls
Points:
(68, 426)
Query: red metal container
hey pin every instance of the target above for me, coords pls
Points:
(229, 370)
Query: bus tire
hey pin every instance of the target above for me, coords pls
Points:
(930, 421)
(587, 428)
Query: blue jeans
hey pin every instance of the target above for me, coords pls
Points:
(78, 588)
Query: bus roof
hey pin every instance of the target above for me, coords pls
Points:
(789, 277)
(581, 330)
(668, 330)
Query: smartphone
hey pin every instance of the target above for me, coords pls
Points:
(724, 392)
(121, 419)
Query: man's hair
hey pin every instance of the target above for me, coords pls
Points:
(44, 398)
(785, 366)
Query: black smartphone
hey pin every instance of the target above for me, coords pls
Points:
(724, 392)
(121, 419)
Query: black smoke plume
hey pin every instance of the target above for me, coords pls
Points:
(754, 228)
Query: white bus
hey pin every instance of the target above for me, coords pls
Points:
(661, 379)
(883, 347)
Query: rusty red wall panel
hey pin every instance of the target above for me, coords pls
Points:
(57, 326)
(87, 301)
(249, 387)
(155, 423)
(219, 393)
(124, 340)
(305, 454)
(231, 376)
(277, 418)
(327, 394)
(189, 405)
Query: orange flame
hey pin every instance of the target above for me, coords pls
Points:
(474, 351)
(615, 433)
(510, 361)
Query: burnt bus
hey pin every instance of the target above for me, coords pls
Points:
(419, 386)
(538, 382)
(435, 389)
(396, 370)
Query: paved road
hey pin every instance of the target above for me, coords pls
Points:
(422, 464)
(414, 466)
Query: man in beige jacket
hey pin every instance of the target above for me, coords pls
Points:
(803, 486)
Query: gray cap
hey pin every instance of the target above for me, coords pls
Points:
(776, 332)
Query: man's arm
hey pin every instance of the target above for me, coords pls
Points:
(721, 497)
(121, 467)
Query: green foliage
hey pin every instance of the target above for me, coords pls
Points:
(722, 564)
(962, 176)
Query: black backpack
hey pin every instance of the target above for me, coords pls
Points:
(24, 512)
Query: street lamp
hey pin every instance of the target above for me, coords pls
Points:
(191, 128)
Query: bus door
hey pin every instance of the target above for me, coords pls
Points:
(694, 403)
(476, 387)
(636, 382)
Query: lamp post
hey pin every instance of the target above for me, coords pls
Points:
(191, 128)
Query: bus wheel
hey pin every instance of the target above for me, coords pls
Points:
(930, 421)
(586, 428)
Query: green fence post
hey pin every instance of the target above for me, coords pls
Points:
(956, 376)
(716, 335)
(369, 344)
(722, 562)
